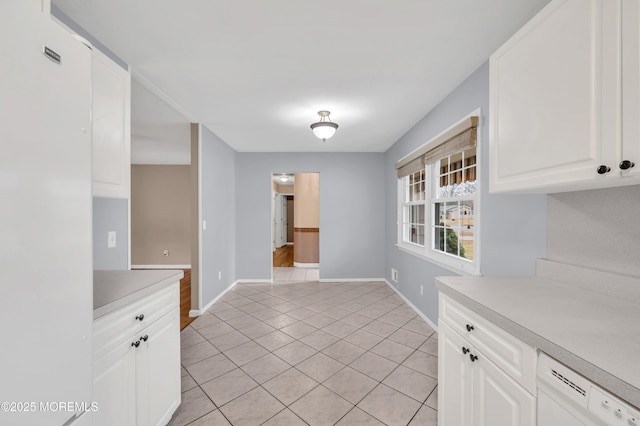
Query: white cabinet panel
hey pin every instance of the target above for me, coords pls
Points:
(631, 85)
(455, 391)
(114, 387)
(497, 399)
(553, 99)
(111, 128)
(158, 370)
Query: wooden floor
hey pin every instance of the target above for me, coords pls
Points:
(283, 257)
(185, 300)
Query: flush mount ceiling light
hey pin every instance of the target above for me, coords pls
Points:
(284, 178)
(324, 128)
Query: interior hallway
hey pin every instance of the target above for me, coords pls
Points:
(309, 354)
(283, 257)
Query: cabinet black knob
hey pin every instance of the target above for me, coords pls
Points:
(140, 317)
(144, 338)
(626, 164)
(603, 169)
(469, 327)
(473, 357)
(465, 350)
(136, 344)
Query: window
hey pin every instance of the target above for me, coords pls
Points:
(413, 208)
(438, 199)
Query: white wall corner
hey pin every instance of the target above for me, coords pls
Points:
(198, 312)
(418, 311)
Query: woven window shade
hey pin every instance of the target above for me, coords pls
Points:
(459, 138)
(413, 166)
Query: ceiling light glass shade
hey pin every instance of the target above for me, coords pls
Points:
(284, 178)
(324, 128)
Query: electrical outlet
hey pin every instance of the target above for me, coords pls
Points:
(165, 253)
(421, 290)
(394, 275)
(111, 239)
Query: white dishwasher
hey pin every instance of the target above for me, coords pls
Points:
(565, 398)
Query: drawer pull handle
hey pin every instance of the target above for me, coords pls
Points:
(469, 327)
(145, 338)
(603, 169)
(136, 344)
(140, 317)
(465, 350)
(473, 357)
(626, 164)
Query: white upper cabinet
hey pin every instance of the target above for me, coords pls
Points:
(631, 84)
(564, 99)
(111, 128)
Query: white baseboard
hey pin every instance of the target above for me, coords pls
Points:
(418, 311)
(347, 280)
(198, 312)
(306, 265)
(160, 266)
(257, 280)
(289, 244)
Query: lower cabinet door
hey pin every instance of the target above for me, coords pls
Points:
(497, 399)
(158, 370)
(455, 378)
(114, 387)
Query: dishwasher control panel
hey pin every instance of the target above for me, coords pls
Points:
(584, 400)
(611, 410)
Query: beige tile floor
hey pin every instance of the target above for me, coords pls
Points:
(295, 274)
(309, 353)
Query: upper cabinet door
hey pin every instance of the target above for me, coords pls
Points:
(111, 128)
(555, 98)
(630, 87)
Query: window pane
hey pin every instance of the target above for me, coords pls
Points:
(454, 228)
(416, 186)
(458, 175)
(417, 234)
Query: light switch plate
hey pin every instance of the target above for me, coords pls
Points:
(111, 239)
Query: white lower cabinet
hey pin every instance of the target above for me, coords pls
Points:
(137, 368)
(473, 388)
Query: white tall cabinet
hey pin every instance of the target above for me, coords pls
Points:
(46, 308)
(564, 99)
(111, 128)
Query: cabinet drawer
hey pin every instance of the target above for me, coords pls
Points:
(122, 324)
(509, 353)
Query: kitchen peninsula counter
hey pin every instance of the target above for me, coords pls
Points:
(587, 320)
(115, 289)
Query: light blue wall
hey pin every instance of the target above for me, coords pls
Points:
(352, 212)
(218, 169)
(513, 227)
(110, 214)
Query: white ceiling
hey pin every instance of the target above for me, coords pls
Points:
(256, 72)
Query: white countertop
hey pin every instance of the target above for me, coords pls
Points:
(115, 289)
(595, 334)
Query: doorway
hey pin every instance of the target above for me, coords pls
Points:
(295, 227)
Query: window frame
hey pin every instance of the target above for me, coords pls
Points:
(427, 252)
